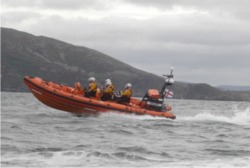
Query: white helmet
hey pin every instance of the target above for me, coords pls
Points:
(91, 79)
(107, 80)
(128, 85)
(108, 83)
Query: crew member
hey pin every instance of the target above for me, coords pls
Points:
(126, 94)
(108, 90)
(92, 88)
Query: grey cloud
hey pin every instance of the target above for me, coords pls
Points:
(75, 4)
(57, 4)
(17, 17)
(222, 7)
(19, 3)
(201, 30)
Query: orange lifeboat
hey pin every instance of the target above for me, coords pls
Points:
(72, 100)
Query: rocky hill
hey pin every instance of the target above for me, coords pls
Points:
(25, 54)
(234, 88)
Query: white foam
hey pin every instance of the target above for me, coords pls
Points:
(51, 159)
(238, 118)
(132, 116)
(81, 159)
(64, 159)
(232, 163)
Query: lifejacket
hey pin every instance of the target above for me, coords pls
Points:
(112, 87)
(92, 87)
(109, 90)
(127, 93)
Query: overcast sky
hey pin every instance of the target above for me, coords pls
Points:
(206, 41)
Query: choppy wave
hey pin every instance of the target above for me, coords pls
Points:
(227, 163)
(205, 134)
(238, 118)
(102, 159)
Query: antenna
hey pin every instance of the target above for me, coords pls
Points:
(171, 73)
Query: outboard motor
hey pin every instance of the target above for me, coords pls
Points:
(153, 99)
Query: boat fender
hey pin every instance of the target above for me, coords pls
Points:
(78, 86)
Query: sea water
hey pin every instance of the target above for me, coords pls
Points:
(204, 134)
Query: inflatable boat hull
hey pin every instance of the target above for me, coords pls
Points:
(69, 99)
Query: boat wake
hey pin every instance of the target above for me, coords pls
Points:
(132, 116)
(238, 118)
(241, 118)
